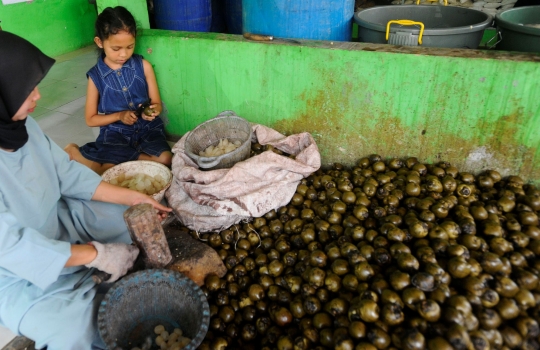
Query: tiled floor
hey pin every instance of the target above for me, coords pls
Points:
(5, 336)
(60, 112)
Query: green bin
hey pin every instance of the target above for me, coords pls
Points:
(519, 29)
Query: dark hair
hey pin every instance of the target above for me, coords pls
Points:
(113, 20)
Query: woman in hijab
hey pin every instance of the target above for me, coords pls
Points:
(56, 218)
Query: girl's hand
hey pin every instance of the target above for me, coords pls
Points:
(128, 117)
(156, 110)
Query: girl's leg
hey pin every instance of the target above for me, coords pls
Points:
(75, 154)
(102, 167)
(164, 158)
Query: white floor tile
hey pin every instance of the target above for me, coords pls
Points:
(60, 93)
(74, 107)
(73, 130)
(52, 121)
(5, 336)
(39, 111)
(67, 69)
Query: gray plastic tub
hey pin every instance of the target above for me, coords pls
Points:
(515, 30)
(444, 26)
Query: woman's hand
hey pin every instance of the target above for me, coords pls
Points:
(128, 117)
(156, 110)
(106, 192)
(162, 211)
(114, 258)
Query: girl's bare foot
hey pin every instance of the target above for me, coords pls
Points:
(75, 154)
(72, 150)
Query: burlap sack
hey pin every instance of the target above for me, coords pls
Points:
(216, 199)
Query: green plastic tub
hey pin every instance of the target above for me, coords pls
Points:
(519, 29)
(422, 25)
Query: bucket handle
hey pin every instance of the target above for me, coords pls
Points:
(227, 113)
(445, 2)
(208, 163)
(498, 35)
(406, 22)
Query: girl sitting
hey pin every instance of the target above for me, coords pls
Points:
(120, 83)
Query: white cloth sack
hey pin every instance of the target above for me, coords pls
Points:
(216, 199)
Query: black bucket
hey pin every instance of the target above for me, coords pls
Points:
(422, 25)
(138, 303)
(519, 29)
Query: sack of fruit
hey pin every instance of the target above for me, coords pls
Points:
(216, 199)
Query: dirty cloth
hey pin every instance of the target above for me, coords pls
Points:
(45, 207)
(216, 199)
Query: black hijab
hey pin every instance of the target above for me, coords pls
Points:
(22, 66)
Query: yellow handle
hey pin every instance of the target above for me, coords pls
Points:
(406, 22)
(445, 2)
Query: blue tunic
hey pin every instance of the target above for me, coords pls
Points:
(44, 208)
(119, 90)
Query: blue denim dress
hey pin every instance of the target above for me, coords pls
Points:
(121, 90)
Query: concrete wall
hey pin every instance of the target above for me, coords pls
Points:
(476, 109)
(55, 26)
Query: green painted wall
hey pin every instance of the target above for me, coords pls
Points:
(55, 26)
(476, 109)
(138, 8)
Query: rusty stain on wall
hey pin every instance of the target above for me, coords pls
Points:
(346, 141)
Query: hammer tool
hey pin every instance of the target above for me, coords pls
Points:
(98, 277)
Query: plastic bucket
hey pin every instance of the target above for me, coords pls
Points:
(226, 125)
(233, 16)
(515, 30)
(306, 19)
(187, 15)
(135, 305)
(444, 26)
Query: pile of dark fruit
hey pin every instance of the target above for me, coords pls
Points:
(391, 254)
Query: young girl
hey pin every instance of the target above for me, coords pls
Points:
(118, 85)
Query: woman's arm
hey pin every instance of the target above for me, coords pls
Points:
(105, 192)
(153, 90)
(81, 254)
(91, 110)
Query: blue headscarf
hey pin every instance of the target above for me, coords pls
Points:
(22, 67)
